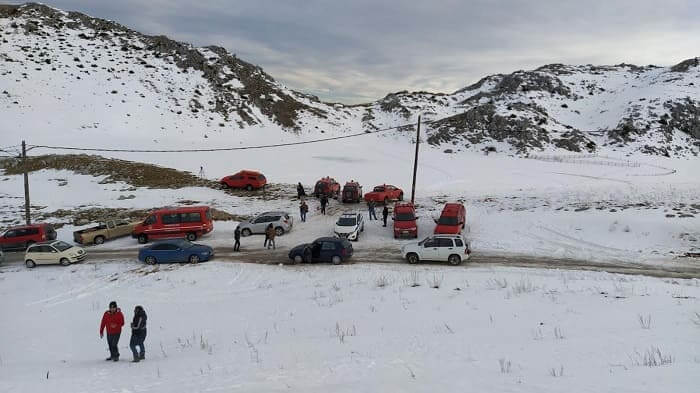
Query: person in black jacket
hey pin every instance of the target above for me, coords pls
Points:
(237, 238)
(300, 191)
(138, 334)
(324, 202)
(385, 214)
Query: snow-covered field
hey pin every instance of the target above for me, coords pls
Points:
(226, 326)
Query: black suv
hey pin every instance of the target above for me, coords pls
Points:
(324, 249)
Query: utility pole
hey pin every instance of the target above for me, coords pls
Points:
(26, 184)
(415, 164)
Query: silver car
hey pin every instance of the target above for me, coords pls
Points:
(281, 221)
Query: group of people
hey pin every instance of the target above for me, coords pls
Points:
(373, 214)
(112, 322)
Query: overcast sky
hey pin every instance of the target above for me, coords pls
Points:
(359, 50)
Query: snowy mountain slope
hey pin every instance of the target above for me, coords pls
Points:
(68, 77)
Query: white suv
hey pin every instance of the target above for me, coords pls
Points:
(281, 221)
(52, 253)
(451, 248)
(349, 226)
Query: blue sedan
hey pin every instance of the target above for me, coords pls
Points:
(176, 250)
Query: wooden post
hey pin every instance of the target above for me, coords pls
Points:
(415, 164)
(27, 218)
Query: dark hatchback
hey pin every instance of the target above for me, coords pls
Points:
(324, 249)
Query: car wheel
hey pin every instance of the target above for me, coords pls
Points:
(401, 196)
(193, 259)
(298, 259)
(30, 264)
(224, 186)
(150, 260)
(64, 262)
(412, 258)
(191, 236)
(336, 260)
(99, 240)
(143, 239)
(454, 259)
(246, 232)
(279, 231)
(249, 187)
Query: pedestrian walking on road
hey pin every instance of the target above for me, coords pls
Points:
(112, 321)
(138, 334)
(324, 203)
(300, 191)
(372, 213)
(303, 209)
(237, 238)
(270, 232)
(385, 214)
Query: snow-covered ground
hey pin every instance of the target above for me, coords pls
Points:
(226, 326)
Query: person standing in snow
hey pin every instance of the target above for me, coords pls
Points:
(324, 203)
(270, 233)
(300, 191)
(385, 213)
(112, 321)
(370, 208)
(303, 209)
(138, 334)
(237, 238)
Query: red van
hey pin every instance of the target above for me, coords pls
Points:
(452, 220)
(247, 179)
(189, 222)
(21, 237)
(404, 217)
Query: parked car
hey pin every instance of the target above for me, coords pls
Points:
(324, 249)
(405, 224)
(175, 251)
(281, 221)
(451, 248)
(349, 226)
(21, 237)
(189, 222)
(352, 192)
(327, 186)
(107, 230)
(452, 220)
(55, 252)
(384, 194)
(250, 180)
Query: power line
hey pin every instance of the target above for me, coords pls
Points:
(223, 148)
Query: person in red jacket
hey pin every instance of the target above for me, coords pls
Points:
(113, 320)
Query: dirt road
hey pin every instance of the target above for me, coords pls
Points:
(687, 269)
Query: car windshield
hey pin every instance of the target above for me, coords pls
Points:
(420, 243)
(448, 221)
(347, 221)
(408, 216)
(62, 246)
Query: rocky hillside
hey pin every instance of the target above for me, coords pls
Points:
(65, 74)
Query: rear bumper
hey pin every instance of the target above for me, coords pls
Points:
(406, 233)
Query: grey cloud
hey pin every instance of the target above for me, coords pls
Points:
(360, 50)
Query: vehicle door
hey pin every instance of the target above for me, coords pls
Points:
(121, 228)
(9, 240)
(21, 237)
(45, 255)
(315, 252)
(110, 229)
(328, 250)
(163, 253)
(171, 223)
(446, 248)
(430, 251)
(260, 224)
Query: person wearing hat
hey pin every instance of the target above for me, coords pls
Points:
(138, 334)
(112, 321)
